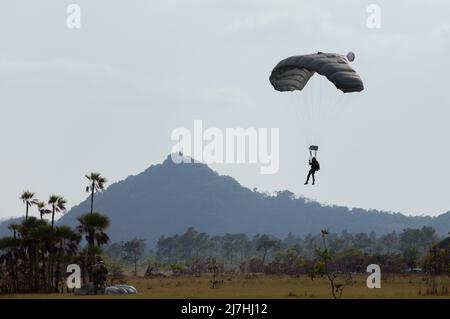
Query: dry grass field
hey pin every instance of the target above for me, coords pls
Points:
(263, 286)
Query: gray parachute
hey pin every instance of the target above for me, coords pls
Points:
(294, 72)
(88, 289)
(120, 290)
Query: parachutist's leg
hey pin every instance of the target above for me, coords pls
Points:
(307, 178)
(314, 179)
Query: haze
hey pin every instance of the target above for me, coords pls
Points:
(107, 96)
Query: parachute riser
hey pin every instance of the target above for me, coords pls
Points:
(313, 150)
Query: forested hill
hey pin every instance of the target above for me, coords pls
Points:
(167, 198)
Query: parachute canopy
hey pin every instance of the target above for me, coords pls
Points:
(294, 72)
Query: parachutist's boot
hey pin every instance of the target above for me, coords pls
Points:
(306, 183)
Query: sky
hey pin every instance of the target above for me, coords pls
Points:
(107, 96)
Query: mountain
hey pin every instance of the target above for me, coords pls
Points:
(4, 224)
(168, 198)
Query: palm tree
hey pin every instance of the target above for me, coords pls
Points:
(9, 245)
(43, 210)
(66, 241)
(96, 184)
(43, 239)
(94, 225)
(29, 229)
(28, 200)
(15, 229)
(58, 204)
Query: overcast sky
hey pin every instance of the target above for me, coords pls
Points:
(106, 97)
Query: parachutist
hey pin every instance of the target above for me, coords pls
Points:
(315, 166)
(294, 73)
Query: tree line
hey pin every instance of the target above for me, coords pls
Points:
(410, 250)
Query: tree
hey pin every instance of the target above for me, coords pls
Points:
(389, 242)
(286, 262)
(437, 261)
(115, 271)
(428, 237)
(133, 251)
(66, 241)
(58, 204)
(422, 239)
(33, 259)
(409, 237)
(9, 245)
(235, 246)
(14, 228)
(265, 243)
(93, 227)
(350, 260)
(411, 254)
(214, 267)
(362, 241)
(96, 184)
(115, 251)
(43, 210)
(166, 249)
(31, 255)
(322, 268)
(28, 199)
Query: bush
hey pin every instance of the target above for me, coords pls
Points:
(115, 272)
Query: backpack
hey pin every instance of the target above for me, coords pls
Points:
(318, 166)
